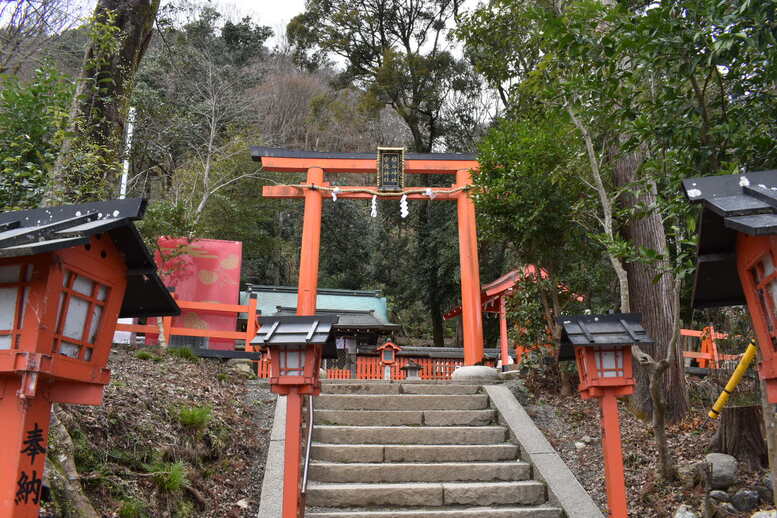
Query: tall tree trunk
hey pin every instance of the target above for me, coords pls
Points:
(652, 293)
(89, 158)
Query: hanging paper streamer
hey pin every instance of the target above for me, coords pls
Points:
(403, 206)
(374, 208)
(334, 193)
(430, 193)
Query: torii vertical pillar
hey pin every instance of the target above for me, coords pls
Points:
(311, 246)
(472, 315)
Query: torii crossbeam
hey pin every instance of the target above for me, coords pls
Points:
(316, 188)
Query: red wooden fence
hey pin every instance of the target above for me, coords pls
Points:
(708, 355)
(207, 307)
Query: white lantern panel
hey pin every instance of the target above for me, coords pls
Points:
(83, 285)
(5, 342)
(609, 363)
(10, 273)
(69, 350)
(25, 298)
(294, 360)
(8, 307)
(388, 356)
(88, 354)
(76, 318)
(97, 312)
(102, 292)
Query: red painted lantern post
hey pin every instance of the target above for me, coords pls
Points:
(63, 280)
(295, 344)
(602, 351)
(388, 357)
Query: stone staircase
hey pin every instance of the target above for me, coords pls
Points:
(413, 450)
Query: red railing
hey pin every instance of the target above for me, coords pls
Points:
(708, 355)
(205, 307)
(338, 374)
(370, 368)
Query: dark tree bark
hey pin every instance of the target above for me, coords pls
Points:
(98, 113)
(651, 293)
(740, 434)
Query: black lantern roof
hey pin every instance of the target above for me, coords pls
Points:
(294, 330)
(618, 329)
(37, 231)
(744, 203)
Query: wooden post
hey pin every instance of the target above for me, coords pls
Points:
(503, 341)
(251, 321)
(292, 494)
(471, 312)
(615, 480)
(311, 245)
(23, 449)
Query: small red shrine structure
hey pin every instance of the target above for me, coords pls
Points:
(737, 254)
(388, 357)
(493, 300)
(66, 274)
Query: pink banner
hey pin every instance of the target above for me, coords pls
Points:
(203, 270)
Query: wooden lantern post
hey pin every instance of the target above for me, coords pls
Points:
(601, 347)
(388, 357)
(295, 345)
(64, 274)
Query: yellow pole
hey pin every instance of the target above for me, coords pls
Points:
(736, 377)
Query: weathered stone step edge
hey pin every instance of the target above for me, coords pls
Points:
(401, 402)
(413, 453)
(419, 472)
(410, 434)
(431, 494)
(406, 417)
(442, 512)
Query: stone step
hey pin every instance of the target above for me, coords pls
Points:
(405, 417)
(413, 453)
(401, 402)
(398, 388)
(443, 512)
(410, 434)
(419, 472)
(430, 494)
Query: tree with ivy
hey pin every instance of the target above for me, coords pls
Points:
(89, 158)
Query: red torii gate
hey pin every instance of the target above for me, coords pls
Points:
(317, 164)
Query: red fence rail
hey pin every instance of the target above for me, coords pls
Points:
(205, 307)
(708, 355)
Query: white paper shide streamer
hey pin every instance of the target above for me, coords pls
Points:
(403, 206)
(374, 208)
(334, 193)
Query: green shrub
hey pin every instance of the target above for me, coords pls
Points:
(132, 508)
(196, 417)
(145, 355)
(184, 509)
(222, 376)
(169, 476)
(183, 352)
